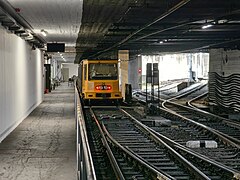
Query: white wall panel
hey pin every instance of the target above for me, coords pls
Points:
(21, 81)
(73, 69)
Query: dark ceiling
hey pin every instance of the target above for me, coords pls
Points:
(156, 26)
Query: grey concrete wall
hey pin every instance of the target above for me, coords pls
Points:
(123, 56)
(224, 78)
(134, 72)
(21, 80)
(224, 62)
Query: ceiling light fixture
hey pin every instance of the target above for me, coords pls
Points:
(29, 37)
(43, 32)
(205, 26)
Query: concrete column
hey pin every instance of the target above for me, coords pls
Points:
(189, 58)
(224, 62)
(123, 56)
(54, 65)
(224, 78)
(135, 72)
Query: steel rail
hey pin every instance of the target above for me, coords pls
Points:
(189, 103)
(235, 173)
(189, 92)
(230, 140)
(204, 113)
(116, 168)
(225, 120)
(130, 153)
(235, 142)
(179, 157)
(221, 136)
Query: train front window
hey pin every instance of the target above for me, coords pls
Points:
(103, 71)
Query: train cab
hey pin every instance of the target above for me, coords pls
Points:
(100, 80)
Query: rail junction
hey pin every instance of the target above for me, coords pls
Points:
(179, 142)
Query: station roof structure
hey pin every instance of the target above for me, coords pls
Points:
(158, 26)
(98, 28)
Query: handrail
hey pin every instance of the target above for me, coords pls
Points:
(85, 165)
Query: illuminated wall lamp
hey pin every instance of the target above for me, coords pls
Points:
(44, 33)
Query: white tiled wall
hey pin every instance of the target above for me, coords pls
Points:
(21, 80)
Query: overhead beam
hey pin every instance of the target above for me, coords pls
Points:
(11, 14)
(161, 17)
(212, 45)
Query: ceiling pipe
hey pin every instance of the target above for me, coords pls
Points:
(164, 15)
(210, 45)
(184, 24)
(203, 48)
(12, 12)
(166, 29)
(18, 18)
(163, 30)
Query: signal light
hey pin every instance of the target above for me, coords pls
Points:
(98, 87)
(103, 87)
(109, 87)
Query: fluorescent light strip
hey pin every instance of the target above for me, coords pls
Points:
(207, 26)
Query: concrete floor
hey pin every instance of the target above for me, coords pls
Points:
(43, 145)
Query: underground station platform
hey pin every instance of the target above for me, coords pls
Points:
(43, 145)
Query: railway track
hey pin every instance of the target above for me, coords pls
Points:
(125, 164)
(190, 124)
(181, 130)
(189, 95)
(177, 105)
(103, 169)
(227, 128)
(136, 144)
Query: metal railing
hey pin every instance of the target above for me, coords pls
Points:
(85, 165)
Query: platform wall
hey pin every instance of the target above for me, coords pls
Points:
(21, 81)
(73, 69)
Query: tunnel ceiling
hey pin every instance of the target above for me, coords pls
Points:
(59, 19)
(157, 26)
